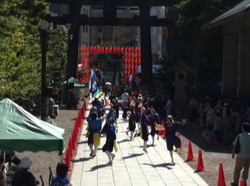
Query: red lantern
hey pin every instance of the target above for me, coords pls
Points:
(98, 49)
(136, 61)
(132, 49)
(110, 49)
(122, 50)
(118, 49)
(106, 49)
(133, 55)
(131, 61)
(127, 49)
(126, 67)
(137, 49)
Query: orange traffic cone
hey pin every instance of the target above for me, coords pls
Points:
(242, 183)
(200, 165)
(221, 177)
(190, 156)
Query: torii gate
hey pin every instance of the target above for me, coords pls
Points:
(144, 21)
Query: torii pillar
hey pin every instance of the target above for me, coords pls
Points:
(73, 39)
(146, 53)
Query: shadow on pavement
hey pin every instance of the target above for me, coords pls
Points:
(132, 156)
(124, 140)
(194, 134)
(99, 167)
(82, 159)
(161, 165)
(82, 142)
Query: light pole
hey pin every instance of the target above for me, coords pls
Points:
(44, 26)
(69, 40)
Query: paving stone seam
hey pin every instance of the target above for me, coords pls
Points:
(120, 125)
(138, 140)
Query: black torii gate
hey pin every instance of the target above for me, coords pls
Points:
(144, 21)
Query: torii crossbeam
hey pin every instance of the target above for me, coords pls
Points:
(144, 21)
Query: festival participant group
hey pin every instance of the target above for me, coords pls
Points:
(143, 121)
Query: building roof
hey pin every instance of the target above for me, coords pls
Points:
(180, 66)
(233, 13)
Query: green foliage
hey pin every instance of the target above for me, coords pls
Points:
(57, 54)
(20, 50)
(192, 14)
(199, 44)
(18, 62)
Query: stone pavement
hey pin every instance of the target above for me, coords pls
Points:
(131, 166)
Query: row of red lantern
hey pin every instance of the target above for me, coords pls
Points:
(85, 54)
(132, 55)
(126, 72)
(84, 79)
(132, 61)
(85, 60)
(126, 61)
(83, 65)
(127, 55)
(110, 49)
(130, 67)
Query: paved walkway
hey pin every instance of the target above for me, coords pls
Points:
(131, 166)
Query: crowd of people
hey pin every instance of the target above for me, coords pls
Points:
(221, 121)
(226, 122)
(20, 175)
(142, 118)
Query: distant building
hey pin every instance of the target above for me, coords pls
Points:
(120, 36)
(117, 35)
(156, 34)
(85, 29)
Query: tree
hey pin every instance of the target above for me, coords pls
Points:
(199, 44)
(57, 54)
(20, 55)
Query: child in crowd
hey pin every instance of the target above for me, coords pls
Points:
(94, 128)
(61, 176)
(109, 130)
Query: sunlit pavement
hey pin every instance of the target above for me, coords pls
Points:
(131, 166)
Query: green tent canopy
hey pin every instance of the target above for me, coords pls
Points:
(21, 131)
